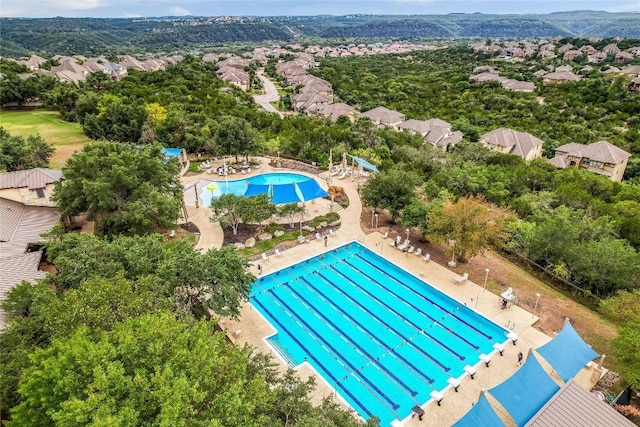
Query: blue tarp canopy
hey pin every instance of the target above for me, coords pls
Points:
(284, 193)
(567, 353)
(364, 163)
(311, 190)
(173, 152)
(253, 189)
(482, 414)
(526, 391)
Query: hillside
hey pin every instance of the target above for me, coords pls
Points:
(90, 36)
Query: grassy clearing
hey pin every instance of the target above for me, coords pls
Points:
(66, 137)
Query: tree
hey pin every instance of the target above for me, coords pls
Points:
(227, 210)
(198, 283)
(236, 136)
(290, 210)
(471, 223)
(258, 208)
(146, 371)
(99, 303)
(391, 190)
(125, 189)
(623, 307)
(626, 348)
(19, 153)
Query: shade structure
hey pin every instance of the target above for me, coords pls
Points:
(284, 193)
(310, 190)
(482, 414)
(526, 391)
(567, 353)
(364, 163)
(254, 189)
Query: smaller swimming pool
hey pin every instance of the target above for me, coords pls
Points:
(239, 186)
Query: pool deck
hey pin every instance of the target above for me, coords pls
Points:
(252, 328)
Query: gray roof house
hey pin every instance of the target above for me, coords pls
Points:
(600, 157)
(513, 142)
(20, 228)
(384, 117)
(434, 131)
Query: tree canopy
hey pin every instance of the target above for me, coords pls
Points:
(124, 188)
(19, 153)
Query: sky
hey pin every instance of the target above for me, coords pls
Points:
(150, 8)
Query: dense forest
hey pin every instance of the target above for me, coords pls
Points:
(90, 36)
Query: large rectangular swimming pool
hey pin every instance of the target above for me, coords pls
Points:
(381, 337)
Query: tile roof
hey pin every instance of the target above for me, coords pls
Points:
(601, 151)
(573, 406)
(521, 143)
(383, 115)
(30, 178)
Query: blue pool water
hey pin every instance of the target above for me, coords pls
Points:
(239, 186)
(381, 337)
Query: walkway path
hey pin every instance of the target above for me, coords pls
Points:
(271, 94)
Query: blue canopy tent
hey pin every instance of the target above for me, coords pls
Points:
(482, 414)
(567, 353)
(526, 391)
(253, 189)
(310, 190)
(284, 193)
(364, 164)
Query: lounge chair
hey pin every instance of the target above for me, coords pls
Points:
(411, 249)
(277, 252)
(419, 252)
(403, 247)
(462, 279)
(265, 257)
(426, 257)
(335, 172)
(318, 237)
(393, 244)
(332, 233)
(385, 235)
(342, 175)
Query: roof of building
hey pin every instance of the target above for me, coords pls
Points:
(573, 406)
(423, 126)
(21, 225)
(601, 151)
(560, 162)
(383, 115)
(521, 143)
(30, 178)
(562, 76)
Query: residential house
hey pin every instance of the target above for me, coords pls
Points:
(129, 62)
(597, 57)
(333, 111)
(384, 117)
(588, 49)
(635, 84)
(633, 70)
(560, 77)
(571, 55)
(623, 57)
(518, 86)
(20, 254)
(32, 187)
(600, 157)
(236, 77)
(307, 100)
(33, 63)
(611, 48)
(436, 132)
(513, 142)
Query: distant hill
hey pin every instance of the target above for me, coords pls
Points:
(89, 36)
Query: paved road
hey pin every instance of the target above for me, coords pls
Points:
(271, 94)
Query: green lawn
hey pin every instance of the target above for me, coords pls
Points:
(66, 137)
